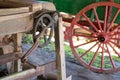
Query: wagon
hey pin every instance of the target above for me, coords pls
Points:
(94, 32)
(31, 17)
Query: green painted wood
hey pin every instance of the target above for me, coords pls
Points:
(70, 6)
(74, 6)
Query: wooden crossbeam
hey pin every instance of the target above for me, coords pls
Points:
(8, 57)
(27, 74)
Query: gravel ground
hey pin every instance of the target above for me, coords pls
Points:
(77, 71)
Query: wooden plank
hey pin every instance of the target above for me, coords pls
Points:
(16, 23)
(13, 4)
(35, 5)
(27, 74)
(16, 16)
(78, 31)
(60, 55)
(8, 11)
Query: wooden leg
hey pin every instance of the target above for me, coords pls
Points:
(17, 48)
(60, 56)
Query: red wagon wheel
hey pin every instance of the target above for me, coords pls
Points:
(98, 45)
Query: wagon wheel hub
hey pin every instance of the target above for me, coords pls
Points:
(101, 39)
(104, 38)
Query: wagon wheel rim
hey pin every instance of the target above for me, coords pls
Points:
(102, 38)
(40, 25)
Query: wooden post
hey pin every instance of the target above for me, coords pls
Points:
(17, 48)
(60, 56)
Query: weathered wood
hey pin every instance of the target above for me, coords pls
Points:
(12, 4)
(16, 20)
(17, 48)
(16, 23)
(8, 11)
(6, 49)
(17, 42)
(60, 55)
(18, 15)
(24, 75)
(7, 58)
(35, 5)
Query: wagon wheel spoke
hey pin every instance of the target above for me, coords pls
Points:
(88, 50)
(85, 28)
(105, 19)
(113, 20)
(97, 18)
(115, 38)
(114, 49)
(115, 33)
(118, 45)
(95, 54)
(85, 43)
(115, 28)
(91, 23)
(102, 57)
(110, 56)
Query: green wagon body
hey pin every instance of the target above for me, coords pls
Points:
(74, 6)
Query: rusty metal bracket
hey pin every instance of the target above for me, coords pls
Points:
(34, 47)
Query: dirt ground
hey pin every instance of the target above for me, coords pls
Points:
(77, 71)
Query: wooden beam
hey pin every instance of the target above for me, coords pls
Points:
(7, 58)
(60, 55)
(11, 24)
(11, 11)
(27, 74)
